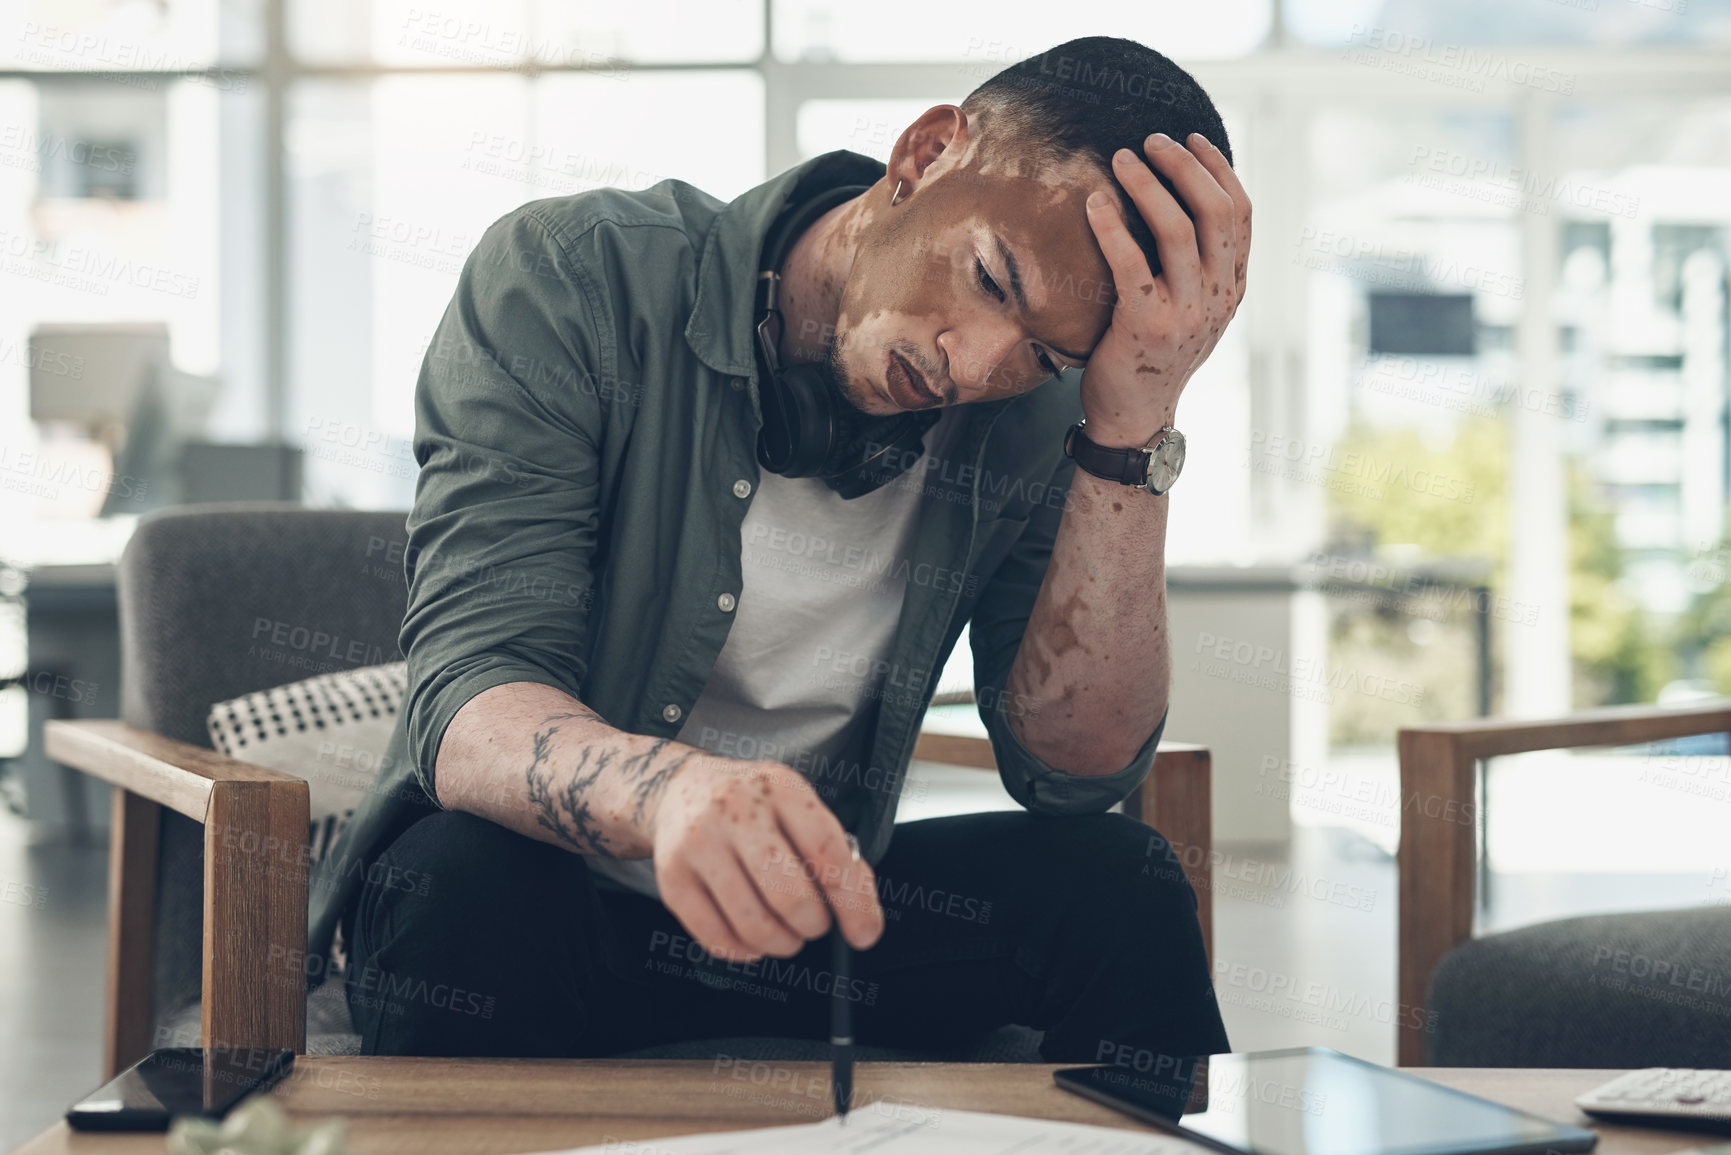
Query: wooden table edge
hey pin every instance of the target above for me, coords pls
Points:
(1018, 1088)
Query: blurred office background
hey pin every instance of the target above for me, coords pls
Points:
(1464, 449)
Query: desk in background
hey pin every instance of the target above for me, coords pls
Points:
(72, 650)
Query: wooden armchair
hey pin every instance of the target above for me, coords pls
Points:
(254, 824)
(1437, 865)
(208, 879)
(207, 860)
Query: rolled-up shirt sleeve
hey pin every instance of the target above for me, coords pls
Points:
(502, 531)
(995, 634)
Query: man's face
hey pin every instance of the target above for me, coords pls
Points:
(934, 284)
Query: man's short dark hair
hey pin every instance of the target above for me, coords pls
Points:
(1088, 98)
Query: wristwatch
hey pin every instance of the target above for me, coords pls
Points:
(1154, 467)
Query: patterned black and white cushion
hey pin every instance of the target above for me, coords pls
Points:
(331, 730)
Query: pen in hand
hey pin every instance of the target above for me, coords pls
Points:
(841, 1010)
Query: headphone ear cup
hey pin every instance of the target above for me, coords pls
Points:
(798, 432)
(775, 440)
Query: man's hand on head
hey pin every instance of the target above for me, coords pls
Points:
(1163, 327)
(751, 861)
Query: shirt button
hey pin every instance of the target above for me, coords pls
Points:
(742, 488)
(671, 712)
(725, 601)
(739, 382)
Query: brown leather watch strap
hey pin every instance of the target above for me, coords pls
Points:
(1125, 466)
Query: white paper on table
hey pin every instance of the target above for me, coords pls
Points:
(921, 1131)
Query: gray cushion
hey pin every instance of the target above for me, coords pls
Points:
(1620, 990)
(212, 600)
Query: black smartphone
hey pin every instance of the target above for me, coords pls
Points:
(178, 1081)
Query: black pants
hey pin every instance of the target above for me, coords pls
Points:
(470, 939)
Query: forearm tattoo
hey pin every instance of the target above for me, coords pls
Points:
(566, 808)
(647, 784)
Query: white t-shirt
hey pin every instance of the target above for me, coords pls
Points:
(823, 583)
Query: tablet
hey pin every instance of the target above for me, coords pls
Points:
(1315, 1101)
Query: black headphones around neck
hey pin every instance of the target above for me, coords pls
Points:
(809, 428)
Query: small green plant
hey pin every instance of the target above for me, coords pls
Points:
(256, 1126)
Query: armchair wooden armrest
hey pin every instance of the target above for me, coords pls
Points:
(1438, 821)
(255, 884)
(1176, 799)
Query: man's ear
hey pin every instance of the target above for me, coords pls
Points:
(940, 129)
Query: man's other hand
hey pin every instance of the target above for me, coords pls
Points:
(1163, 327)
(746, 855)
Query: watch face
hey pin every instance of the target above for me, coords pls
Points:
(1166, 462)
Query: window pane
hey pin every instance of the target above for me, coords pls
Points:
(129, 35)
(650, 31)
(382, 215)
(891, 30)
(865, 126)
(1412, 277)
(129, 226)
(702, 127)
(1423, 30)
(392, 183)
(1645, 190)
(507, 33)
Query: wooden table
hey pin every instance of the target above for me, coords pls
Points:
(430, 1106)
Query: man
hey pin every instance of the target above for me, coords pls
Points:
(653, 686)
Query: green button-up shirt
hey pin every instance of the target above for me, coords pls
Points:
(586, 422)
